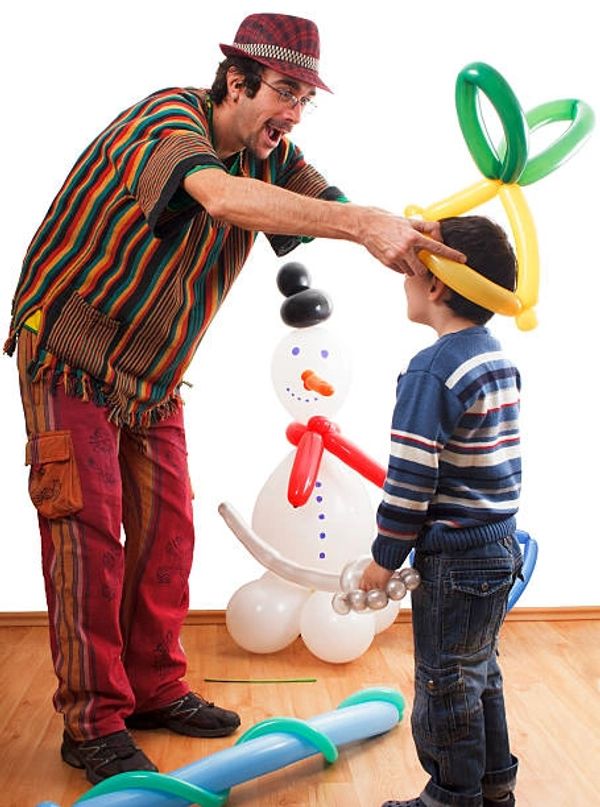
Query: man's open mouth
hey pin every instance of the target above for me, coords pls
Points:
(275, 133)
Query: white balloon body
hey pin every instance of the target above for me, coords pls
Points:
(335, 526)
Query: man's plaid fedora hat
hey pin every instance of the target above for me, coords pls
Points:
(289, 45)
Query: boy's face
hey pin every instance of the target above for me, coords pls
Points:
(418, 305)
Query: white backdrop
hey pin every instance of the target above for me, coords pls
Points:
(389, 137)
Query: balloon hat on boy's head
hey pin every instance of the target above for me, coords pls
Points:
(506, 169)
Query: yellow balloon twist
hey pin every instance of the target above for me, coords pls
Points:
(469, 283)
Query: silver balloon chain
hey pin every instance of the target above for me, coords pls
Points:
(353, 598)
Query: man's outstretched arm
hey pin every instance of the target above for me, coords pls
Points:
(256, 205)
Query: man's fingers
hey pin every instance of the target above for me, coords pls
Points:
(430, 228)
(444, 251)
(415, 266)
(407, 263)
(403, 266)
(398, 246)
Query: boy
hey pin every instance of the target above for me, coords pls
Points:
(452, 492)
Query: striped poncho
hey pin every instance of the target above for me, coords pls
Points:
(127, 269)
(454, 470)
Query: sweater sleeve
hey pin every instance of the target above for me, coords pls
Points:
(424, 418)
(298, 176)
(156, 150)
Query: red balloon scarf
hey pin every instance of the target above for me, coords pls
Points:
(311, 440)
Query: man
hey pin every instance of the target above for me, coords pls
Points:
(120, 283)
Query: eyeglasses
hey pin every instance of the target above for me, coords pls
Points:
(307, 104)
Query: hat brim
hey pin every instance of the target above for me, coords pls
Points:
(285, 68)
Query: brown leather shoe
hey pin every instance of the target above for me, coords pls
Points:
(190, 715)
(105, 756)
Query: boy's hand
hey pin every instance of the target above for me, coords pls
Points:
(375, 576)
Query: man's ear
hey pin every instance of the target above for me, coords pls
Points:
(235, 82)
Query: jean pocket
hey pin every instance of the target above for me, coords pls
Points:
(474, 607)
(440, 712)
(54, 485)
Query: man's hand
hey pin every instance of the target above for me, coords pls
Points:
(396, 241)
(375, 576)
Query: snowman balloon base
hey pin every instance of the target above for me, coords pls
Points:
(305, 605)
(314, 513)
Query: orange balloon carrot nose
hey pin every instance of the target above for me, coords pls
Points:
(316, 383)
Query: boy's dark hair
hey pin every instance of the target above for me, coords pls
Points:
(488, 252)
(251, 71)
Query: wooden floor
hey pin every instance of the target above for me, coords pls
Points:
(552, 672)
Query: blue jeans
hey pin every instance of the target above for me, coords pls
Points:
(458, 719)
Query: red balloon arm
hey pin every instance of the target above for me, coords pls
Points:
(354, 457)
(305, 468)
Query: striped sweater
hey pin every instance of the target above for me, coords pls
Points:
(127, 269)
(454, 470)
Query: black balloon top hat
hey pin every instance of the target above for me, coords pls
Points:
(304, 306)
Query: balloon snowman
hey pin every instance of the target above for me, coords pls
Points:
(313, 521)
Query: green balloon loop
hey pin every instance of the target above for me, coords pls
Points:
(376, 694)
(567, 109)
(299, 728)
(160, 782)
(481, 76)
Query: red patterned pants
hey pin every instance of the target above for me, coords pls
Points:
(115, 516)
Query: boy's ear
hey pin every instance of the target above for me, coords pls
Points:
(437, 289)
